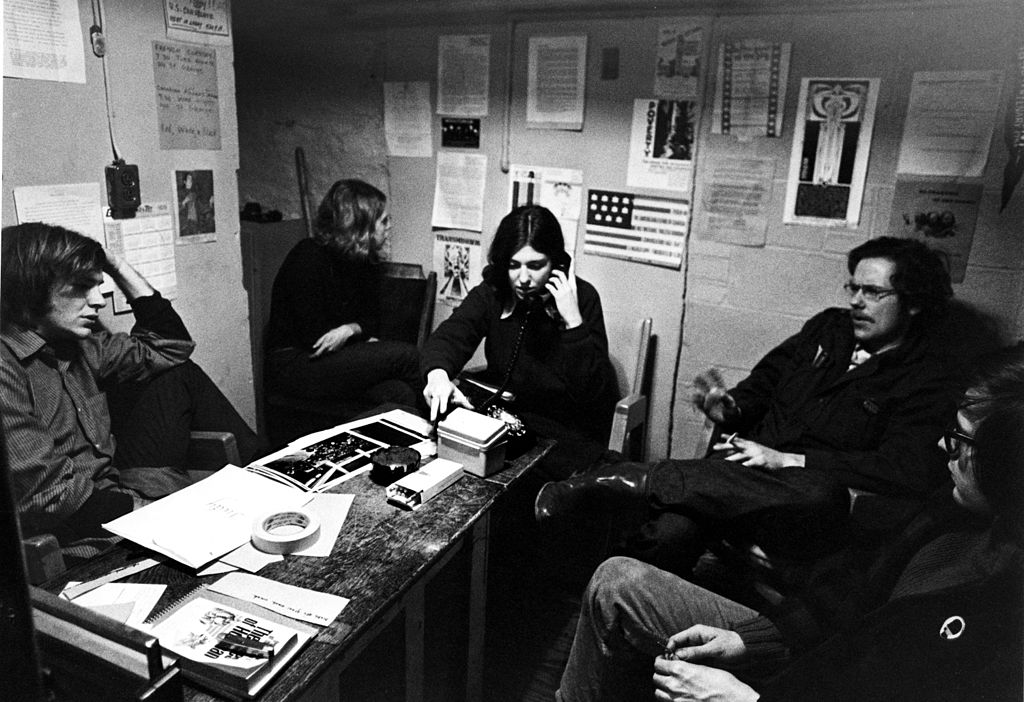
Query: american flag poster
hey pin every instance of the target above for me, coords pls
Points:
(638, 228)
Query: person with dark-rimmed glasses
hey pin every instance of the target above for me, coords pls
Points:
(934, 616)
(858, 398)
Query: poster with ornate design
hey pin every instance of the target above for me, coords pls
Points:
(831, 144)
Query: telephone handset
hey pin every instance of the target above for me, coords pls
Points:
(562, 262)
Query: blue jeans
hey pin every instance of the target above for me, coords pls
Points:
(629, 611)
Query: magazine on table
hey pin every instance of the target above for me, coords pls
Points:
(325, 459)
(226, 645)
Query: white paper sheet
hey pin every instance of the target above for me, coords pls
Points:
(463, 75)
(459, 191)
(407, 119)
(949, 125)
(146, 242)
(736, 200)
(140, 599)
(207, 519)
(296, 602)
(556, 82)
(43, 41)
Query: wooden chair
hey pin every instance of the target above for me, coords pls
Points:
(208, 451)
(629, 425)
(407, 314)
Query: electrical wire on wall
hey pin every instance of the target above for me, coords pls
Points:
(99, 49)
(506, 143)
(123, 191)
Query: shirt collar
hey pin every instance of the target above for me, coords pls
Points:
(549, 308)
(22, 341)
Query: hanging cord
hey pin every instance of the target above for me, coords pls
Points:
(99, 48)
(512, 361)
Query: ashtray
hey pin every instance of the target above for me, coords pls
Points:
(393, 463)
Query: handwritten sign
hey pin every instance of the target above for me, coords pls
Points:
(187, 102)
(199, 16)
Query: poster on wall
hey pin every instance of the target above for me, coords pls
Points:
(187, 102)
(942, 214)
(407, 119)
(661, 145)
(831, 144)
(43, 41)
(558, 189)
(678, 64)
(736, 201)
(1014, 133)
(463, 75)
(196, 221)
(950, 120)
(457, 260)
(750, 93)
(146, 242)
(556, 82)
(632, 227)
(459, 191)
(206, 21)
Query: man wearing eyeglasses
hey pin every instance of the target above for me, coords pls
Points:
(857, 399)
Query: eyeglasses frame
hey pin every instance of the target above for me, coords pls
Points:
(955, 439)
(871, 293)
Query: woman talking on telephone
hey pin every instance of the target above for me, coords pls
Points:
(544, 340)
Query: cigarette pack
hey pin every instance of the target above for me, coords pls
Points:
(415, 489)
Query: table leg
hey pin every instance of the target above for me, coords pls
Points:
(415, 614)
(477, 608)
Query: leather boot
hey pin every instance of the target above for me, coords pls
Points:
(615, 485)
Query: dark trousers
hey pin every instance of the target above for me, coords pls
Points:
(789, 512)
(377, 372)
(151, 421)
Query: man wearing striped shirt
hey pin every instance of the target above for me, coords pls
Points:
(54, 360)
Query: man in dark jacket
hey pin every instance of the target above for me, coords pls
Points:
(857, 399)
(936, 616)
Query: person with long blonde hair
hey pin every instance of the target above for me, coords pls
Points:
(325, 308)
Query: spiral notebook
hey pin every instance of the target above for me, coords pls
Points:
(202, 629)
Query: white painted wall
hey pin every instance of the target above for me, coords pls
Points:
(57, 133)
(319, 86)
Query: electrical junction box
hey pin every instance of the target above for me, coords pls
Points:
(123, 193)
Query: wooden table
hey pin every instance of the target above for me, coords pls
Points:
(382, 561)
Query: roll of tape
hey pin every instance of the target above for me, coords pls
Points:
(285, 532)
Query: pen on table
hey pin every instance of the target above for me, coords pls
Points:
(117, 573)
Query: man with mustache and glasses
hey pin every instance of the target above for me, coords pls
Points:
(59, 368)
(855, 399)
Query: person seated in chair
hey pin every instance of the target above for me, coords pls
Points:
(544, 340)
(68, 473)
(325, 309)
(937, 616)
(856, 399)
